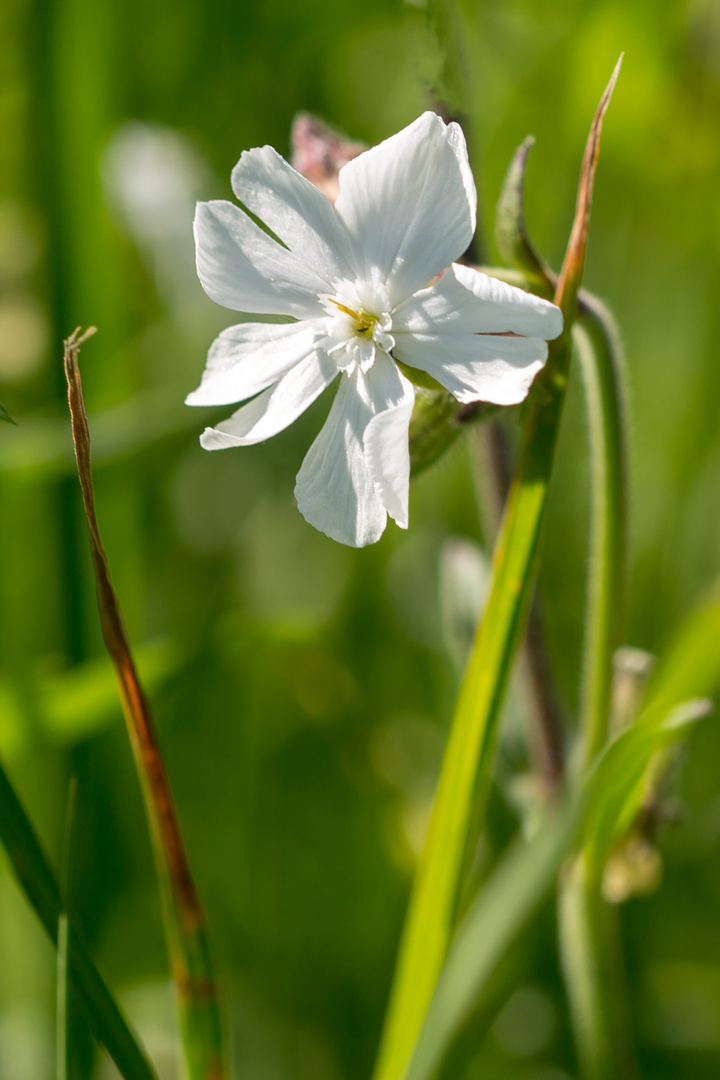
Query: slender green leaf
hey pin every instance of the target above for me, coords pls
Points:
(468, 758)
(62, 1040)
(61, 1000)
(43, 893)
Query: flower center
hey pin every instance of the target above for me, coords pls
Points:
(364, 320)
(359, 324)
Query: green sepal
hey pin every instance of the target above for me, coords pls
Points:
(511, 234)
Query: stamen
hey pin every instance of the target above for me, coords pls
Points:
(346, 310)
(364, 322)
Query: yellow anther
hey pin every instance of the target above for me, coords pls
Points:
(346, 310)
(364, 322)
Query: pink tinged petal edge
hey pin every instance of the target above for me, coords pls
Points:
(337, 490)
(295, 210)
(275, 408)
(243, 268)
(247, 358)
(409, 204)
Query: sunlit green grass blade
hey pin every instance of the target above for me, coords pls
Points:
(525, 875)
(183, 916)
(467, 763)
(43, 892)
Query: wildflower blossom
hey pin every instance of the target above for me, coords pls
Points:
(354, 280)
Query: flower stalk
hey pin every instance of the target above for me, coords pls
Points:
(589, 949)
(601, 363)
(184, 919)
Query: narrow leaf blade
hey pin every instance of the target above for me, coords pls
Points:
(38, 882)
(184, 919)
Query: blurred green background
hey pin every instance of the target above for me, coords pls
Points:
(302, 689)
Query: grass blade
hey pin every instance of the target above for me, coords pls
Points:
(185, 927)
(467, 761)
(61, 999)
(38, 882)
(62, 1015)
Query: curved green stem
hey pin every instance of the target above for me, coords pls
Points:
(589, 951)
(598, 349)
(580, 953)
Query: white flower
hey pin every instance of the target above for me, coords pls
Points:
(354, 279)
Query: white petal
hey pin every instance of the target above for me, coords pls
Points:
(387, 451)
(243, 268)
(336, 488)
(409, 205)
(467, 301)
(455, 330)
(276, 408)
(247, 358)
(295, 210)
(476, 367)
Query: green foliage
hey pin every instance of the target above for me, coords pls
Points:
(75, 967)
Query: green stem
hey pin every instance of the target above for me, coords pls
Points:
(601, 364)
(579, 954)
(586, 945)
(591, 958)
